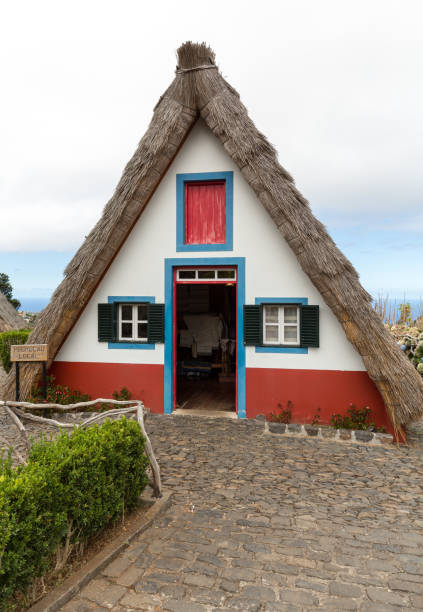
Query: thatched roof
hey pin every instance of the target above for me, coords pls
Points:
(199, 90)
(9, 318)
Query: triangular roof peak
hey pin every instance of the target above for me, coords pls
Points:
(192, 56)
(198, 89)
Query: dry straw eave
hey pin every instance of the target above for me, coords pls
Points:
(9, 318)
(204, 93)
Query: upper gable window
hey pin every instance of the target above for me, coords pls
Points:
(205, 211)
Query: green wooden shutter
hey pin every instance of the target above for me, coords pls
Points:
(155, 325)
(309, 326)
(106, 323)
(252, 325)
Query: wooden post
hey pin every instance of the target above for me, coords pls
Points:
(17, 380)
(44, 385)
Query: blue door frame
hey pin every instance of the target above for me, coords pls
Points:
(170, 264)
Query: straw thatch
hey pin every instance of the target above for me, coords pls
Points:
(9, 318)
(199, 90)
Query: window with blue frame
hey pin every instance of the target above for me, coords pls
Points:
(281, 325)
(127, 322)
(204, 204)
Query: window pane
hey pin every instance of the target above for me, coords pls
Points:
(226, 274)
(272, 333)
(271, 314)
(126, 312)
(142, 331)
(185, 274)
(126, 330)
(290, 334)
(142, 312)
(206, 273)
(290, 314)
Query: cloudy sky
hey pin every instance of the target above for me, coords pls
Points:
(335, 85)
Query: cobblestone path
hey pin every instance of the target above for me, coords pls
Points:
(265, 523)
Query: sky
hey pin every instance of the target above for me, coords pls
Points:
(335, 86)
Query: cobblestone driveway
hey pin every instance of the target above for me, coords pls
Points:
(262, 522)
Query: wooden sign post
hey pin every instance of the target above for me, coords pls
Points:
(24, 353)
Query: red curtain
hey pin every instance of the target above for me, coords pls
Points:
(205, 212)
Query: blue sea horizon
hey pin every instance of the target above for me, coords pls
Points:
(33, 304)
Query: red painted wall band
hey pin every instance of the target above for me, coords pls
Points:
(330, 390)
(146, 382)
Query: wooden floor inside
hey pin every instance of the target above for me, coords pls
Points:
(206, 394)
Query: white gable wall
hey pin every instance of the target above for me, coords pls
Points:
(271, 269)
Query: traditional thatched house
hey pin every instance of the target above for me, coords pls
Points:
(9, 318)
(208, 276)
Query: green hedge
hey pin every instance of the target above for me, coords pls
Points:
(7, 338)
(88, 478)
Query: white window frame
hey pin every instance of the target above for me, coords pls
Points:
(214, 275)
(281, 325)
(134, 322)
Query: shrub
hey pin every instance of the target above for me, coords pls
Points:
(7, 338)
(70, 488)
(316, 418)
(284, 415)
(123, 395)
(356, 418)
(58, 394)
(418, 354)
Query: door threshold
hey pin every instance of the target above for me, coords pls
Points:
(225, 414)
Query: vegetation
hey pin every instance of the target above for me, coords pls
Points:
(316, 418)
(123, 395)
(406, 327)
(7, 289)
(405, 314)
(393, 313)
(284, 415)
(7, 338)
(68, 491)
(57, 394)
(356, 418)
(410, 341)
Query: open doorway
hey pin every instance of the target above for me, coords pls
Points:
(205, 341)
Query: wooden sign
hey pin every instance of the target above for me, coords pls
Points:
(28, 352)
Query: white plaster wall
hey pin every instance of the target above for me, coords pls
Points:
(272, 269)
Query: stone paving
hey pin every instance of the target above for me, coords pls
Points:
(264, 523)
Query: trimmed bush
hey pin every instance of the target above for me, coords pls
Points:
(71, 487)
(17, 336)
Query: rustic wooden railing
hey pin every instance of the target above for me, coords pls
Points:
(19, 411)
